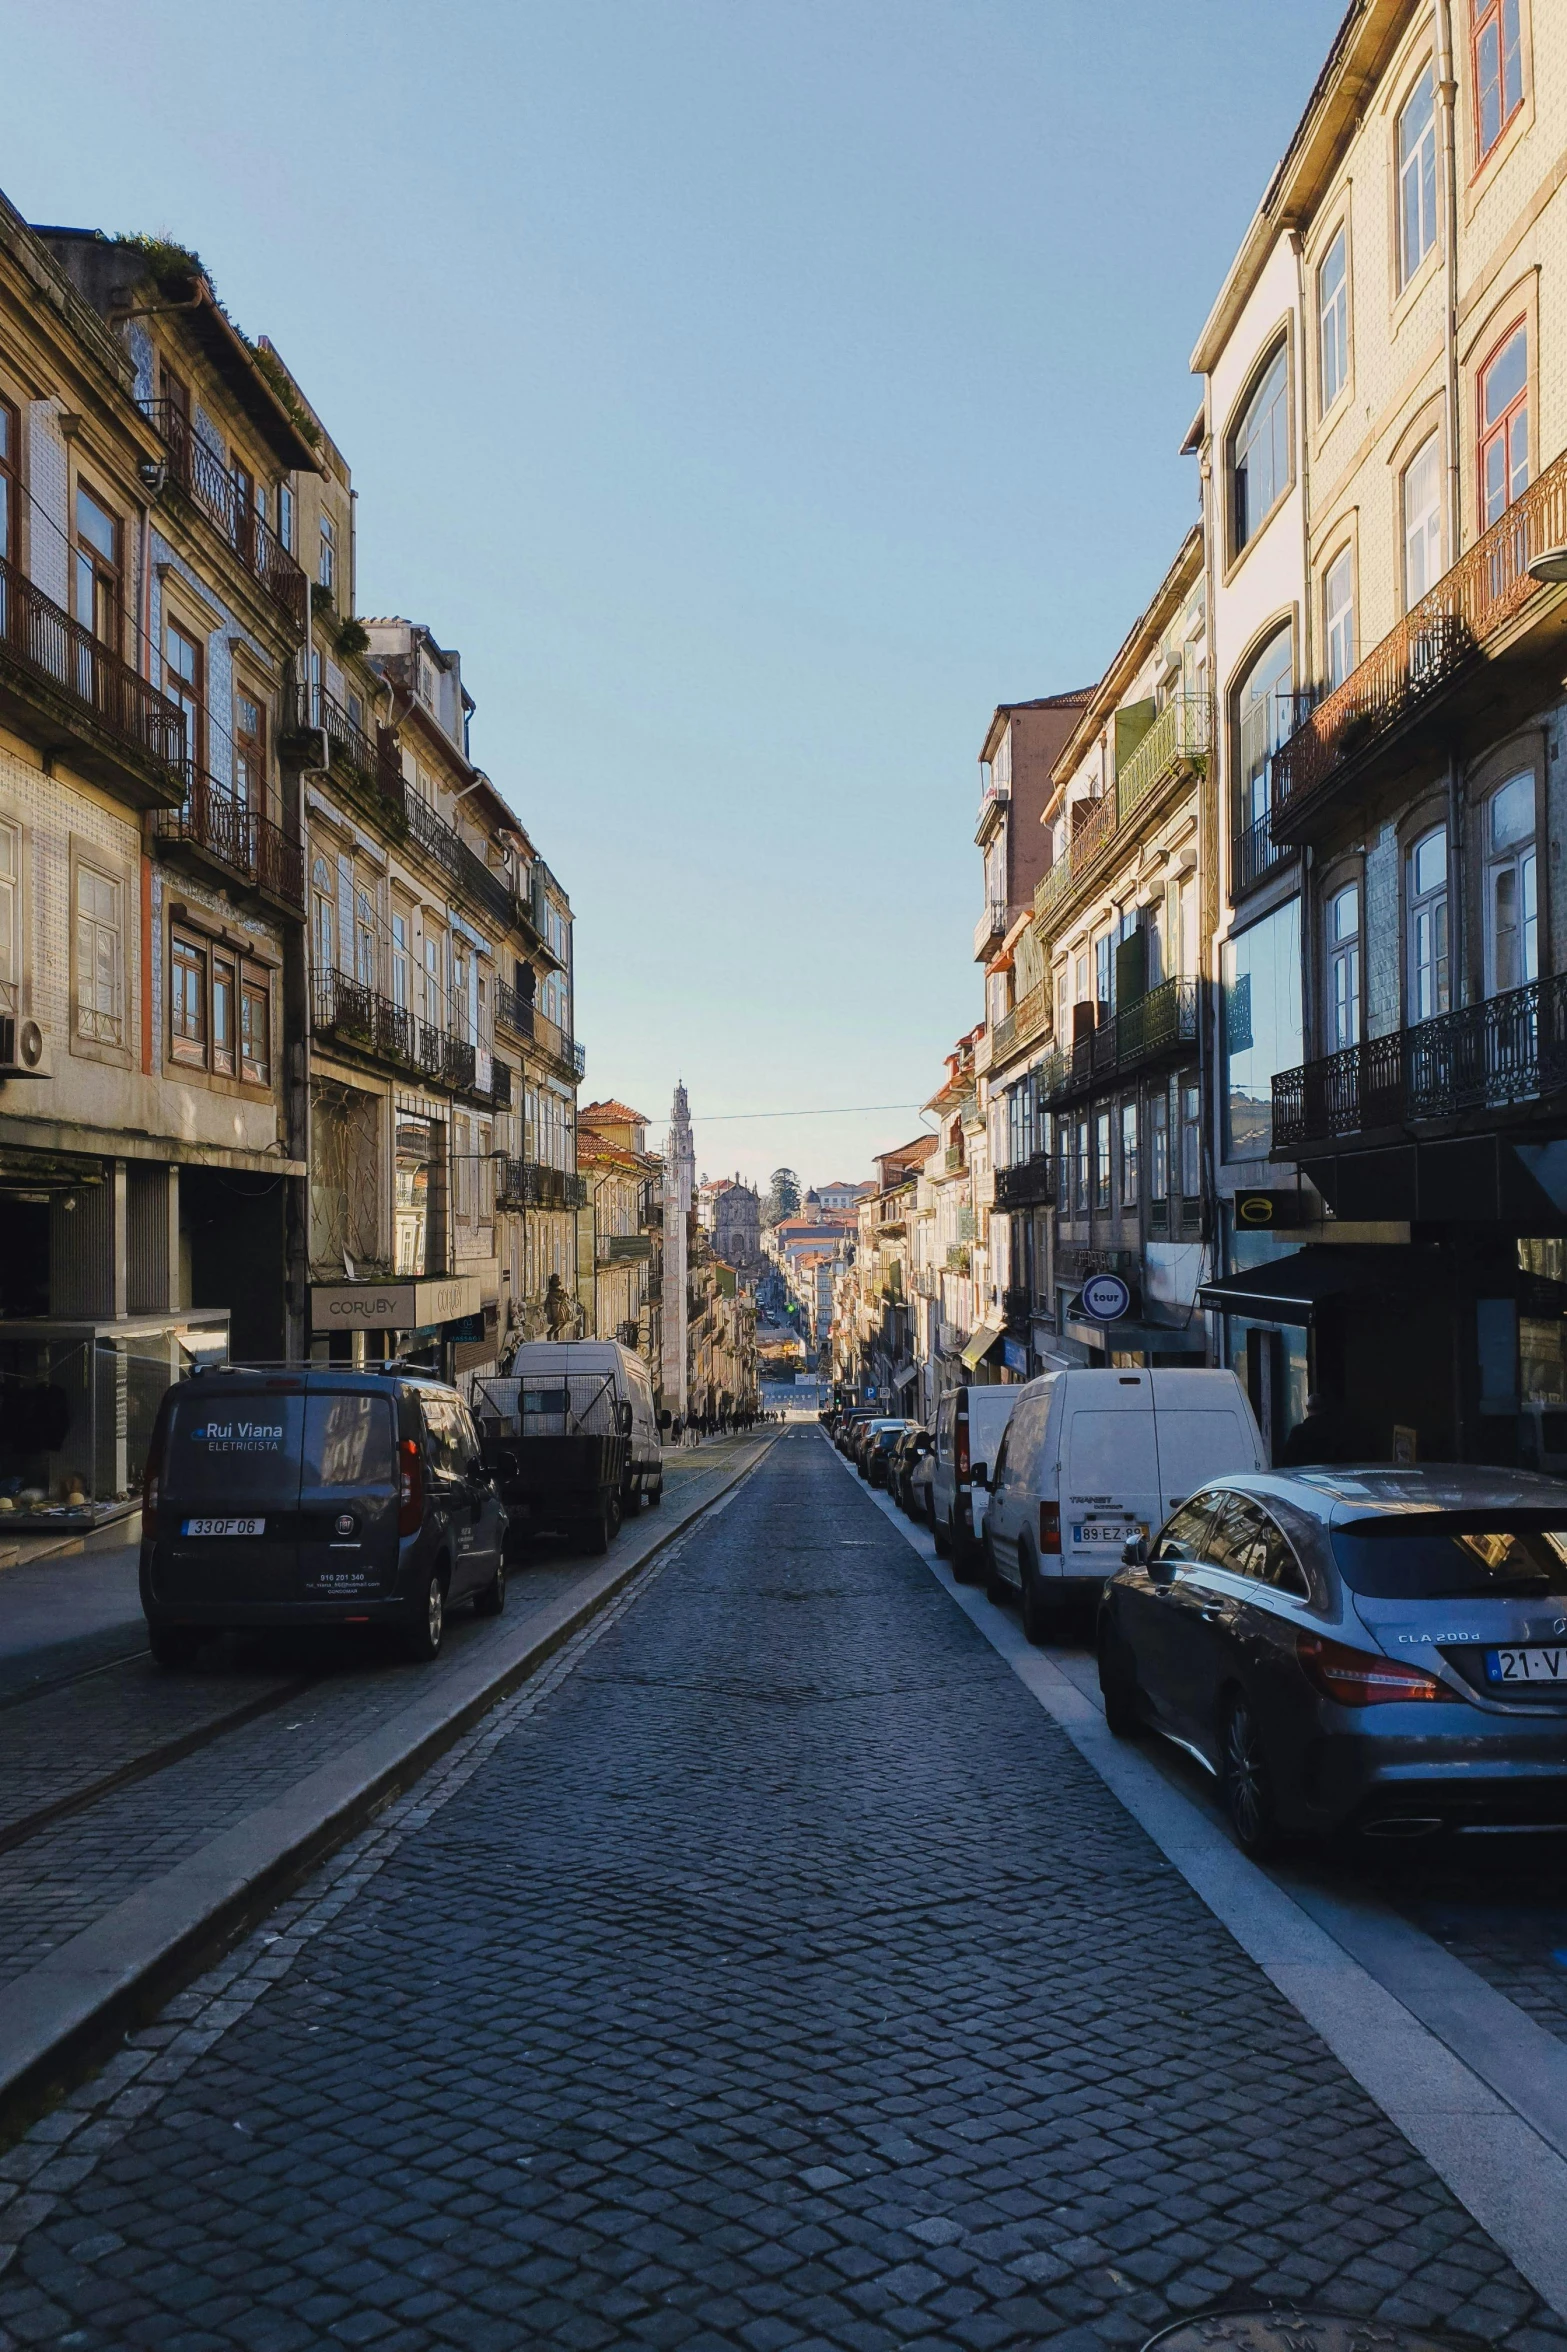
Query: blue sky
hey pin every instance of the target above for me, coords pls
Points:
(757, 391)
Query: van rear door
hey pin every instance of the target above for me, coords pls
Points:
(348, 1543)
(229, 1509)
(1204, 1428)
(1109, 1469)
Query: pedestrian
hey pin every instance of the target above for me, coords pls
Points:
(676, 1430)
(1323, 1438)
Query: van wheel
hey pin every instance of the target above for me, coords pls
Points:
(422, 1639)
(968, 1564)
(997, 1588)
(940, 1538)
(490, 1599)
(1040, 1616)
(174, 1645)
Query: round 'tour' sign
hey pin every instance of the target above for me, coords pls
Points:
(1105, 1298)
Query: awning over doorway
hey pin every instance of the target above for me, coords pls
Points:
(981, 1341)
(1140, 1339)
(1292, 1289)
(903, 1378)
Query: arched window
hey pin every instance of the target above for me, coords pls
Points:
(1512, 942)
(1430, 989)
(1343, 967)
(1260, 461)
(1338, 617)
(1265, 711)
(1504, 428)
(1422, 500)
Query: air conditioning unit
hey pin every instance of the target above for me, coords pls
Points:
(24, 1049)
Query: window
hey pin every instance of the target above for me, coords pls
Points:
(326, 560)
(1338, 618)
(1430, 990)
(1512, 951)
(1261, 460)
(223, 1016)
(1265, 711)
(10, 483)
(1191, 1139)
(1159, 1146)
(323, 916)
(1422, 521)
(1498, 70)
(255, 1030)
(400, 960)
(1101, 1159)
(1129, 1155)
(100, 957)
(1343, 961)
(285, 515)
(1185, 1535)
(1080, 1171)
(244, 505)
(184, 680)
(97, 567)
(10, 914)
(1104, 973)
(364, 940)
(1245, 1540)
(1262, 1026)
(1504, 427)
(1417, 176)
(187, 1001)
(250, 751)
(432, 983)
(1333, 320)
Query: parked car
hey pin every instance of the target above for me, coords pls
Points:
(315, 1497)
(849, 1428)
(970, 1421)
(876, 1460)
(919, 1485)
(1090, 1458)
(914, 1442)
(1382, 1650)
(866, 1436)
(555, 1393)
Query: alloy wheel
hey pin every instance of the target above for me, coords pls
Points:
(1247, 1794)
(435, 1608)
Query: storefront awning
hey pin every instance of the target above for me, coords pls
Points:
(1140, 1339)
(903, 1378)
(1292, 1289)
(981, 1341)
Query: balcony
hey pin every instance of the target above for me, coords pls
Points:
(952, 1159)
(1485, 608)
(63, 690)
(463, 867)
(522, 1185)
(500, 1084)
(624, 1249)
(1496, 1056)
(1253, 853)
(1031, 1184)
(352, 1015)
(241, 843)
(206, 481)
(991, 928)
(1164, 1021)
(371, 763)
(1177, 744)
(520, 1014)
(1022, 1025)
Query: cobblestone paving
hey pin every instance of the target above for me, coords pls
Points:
(782, 1978)
(57, 1884)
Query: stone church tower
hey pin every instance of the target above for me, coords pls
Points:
(679, 1193)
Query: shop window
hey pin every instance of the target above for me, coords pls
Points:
(1430, 988)
(1512, 948)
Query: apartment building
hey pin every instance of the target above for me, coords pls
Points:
(1385, 438)
(622, 1180)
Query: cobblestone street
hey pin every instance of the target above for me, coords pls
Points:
(778, 1975)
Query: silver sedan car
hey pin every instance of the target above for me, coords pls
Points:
(1381, 1650)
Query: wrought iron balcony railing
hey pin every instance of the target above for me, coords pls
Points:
(373, 759)
(1463, 616)
(462, 866)
(239, 839)
(85, 681)
(1163, 1021)
(354, 1013)
(1031, 1184)
(201, 473)
(1022, 1025)
(1507, 1050)
(520, 1184)
(1177, 743)
(1253, 853)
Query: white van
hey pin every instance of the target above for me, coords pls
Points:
(627, 1382)
(1093, 1458)
(970, 1423)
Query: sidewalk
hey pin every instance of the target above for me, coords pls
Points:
(186, 1804)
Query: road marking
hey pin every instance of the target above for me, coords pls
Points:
(1507, 2171)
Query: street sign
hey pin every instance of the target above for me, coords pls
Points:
(1105, 1298)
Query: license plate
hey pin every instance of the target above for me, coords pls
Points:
(1526, 1666)
(1090, 1533)
(224, 1527)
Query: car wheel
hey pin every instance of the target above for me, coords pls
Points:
(1246, 1781)
(1041, 1617)
(422, 1640)
(174, 1645)
(968, 1561)
(996, 1587)
(490, 1599)
(940, 1538)
(656, 1493)
(1117, 1689)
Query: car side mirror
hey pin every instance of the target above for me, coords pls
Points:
(1160, 1572)
(1134, 1552)
(980, 1474)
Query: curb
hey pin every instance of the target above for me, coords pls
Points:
(58, 2017)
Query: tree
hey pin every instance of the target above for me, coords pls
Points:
(783, 1199)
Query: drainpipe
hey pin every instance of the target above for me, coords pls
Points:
(1447, 92)
(1307, 630)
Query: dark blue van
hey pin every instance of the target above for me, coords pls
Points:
(321, 1496)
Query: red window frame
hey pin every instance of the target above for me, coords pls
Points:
(10, 482)
(1490, 431)
(1490, 17)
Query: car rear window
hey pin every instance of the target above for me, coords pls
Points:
(1452, 1557)
(234, 1449)
(350, 1441)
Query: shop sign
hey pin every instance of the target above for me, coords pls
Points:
(1105, 1298)
(393, 1306)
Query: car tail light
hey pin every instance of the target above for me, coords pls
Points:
(962, 1445)
(410, 1487)
(1359, 1678)
(1050, 1528)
